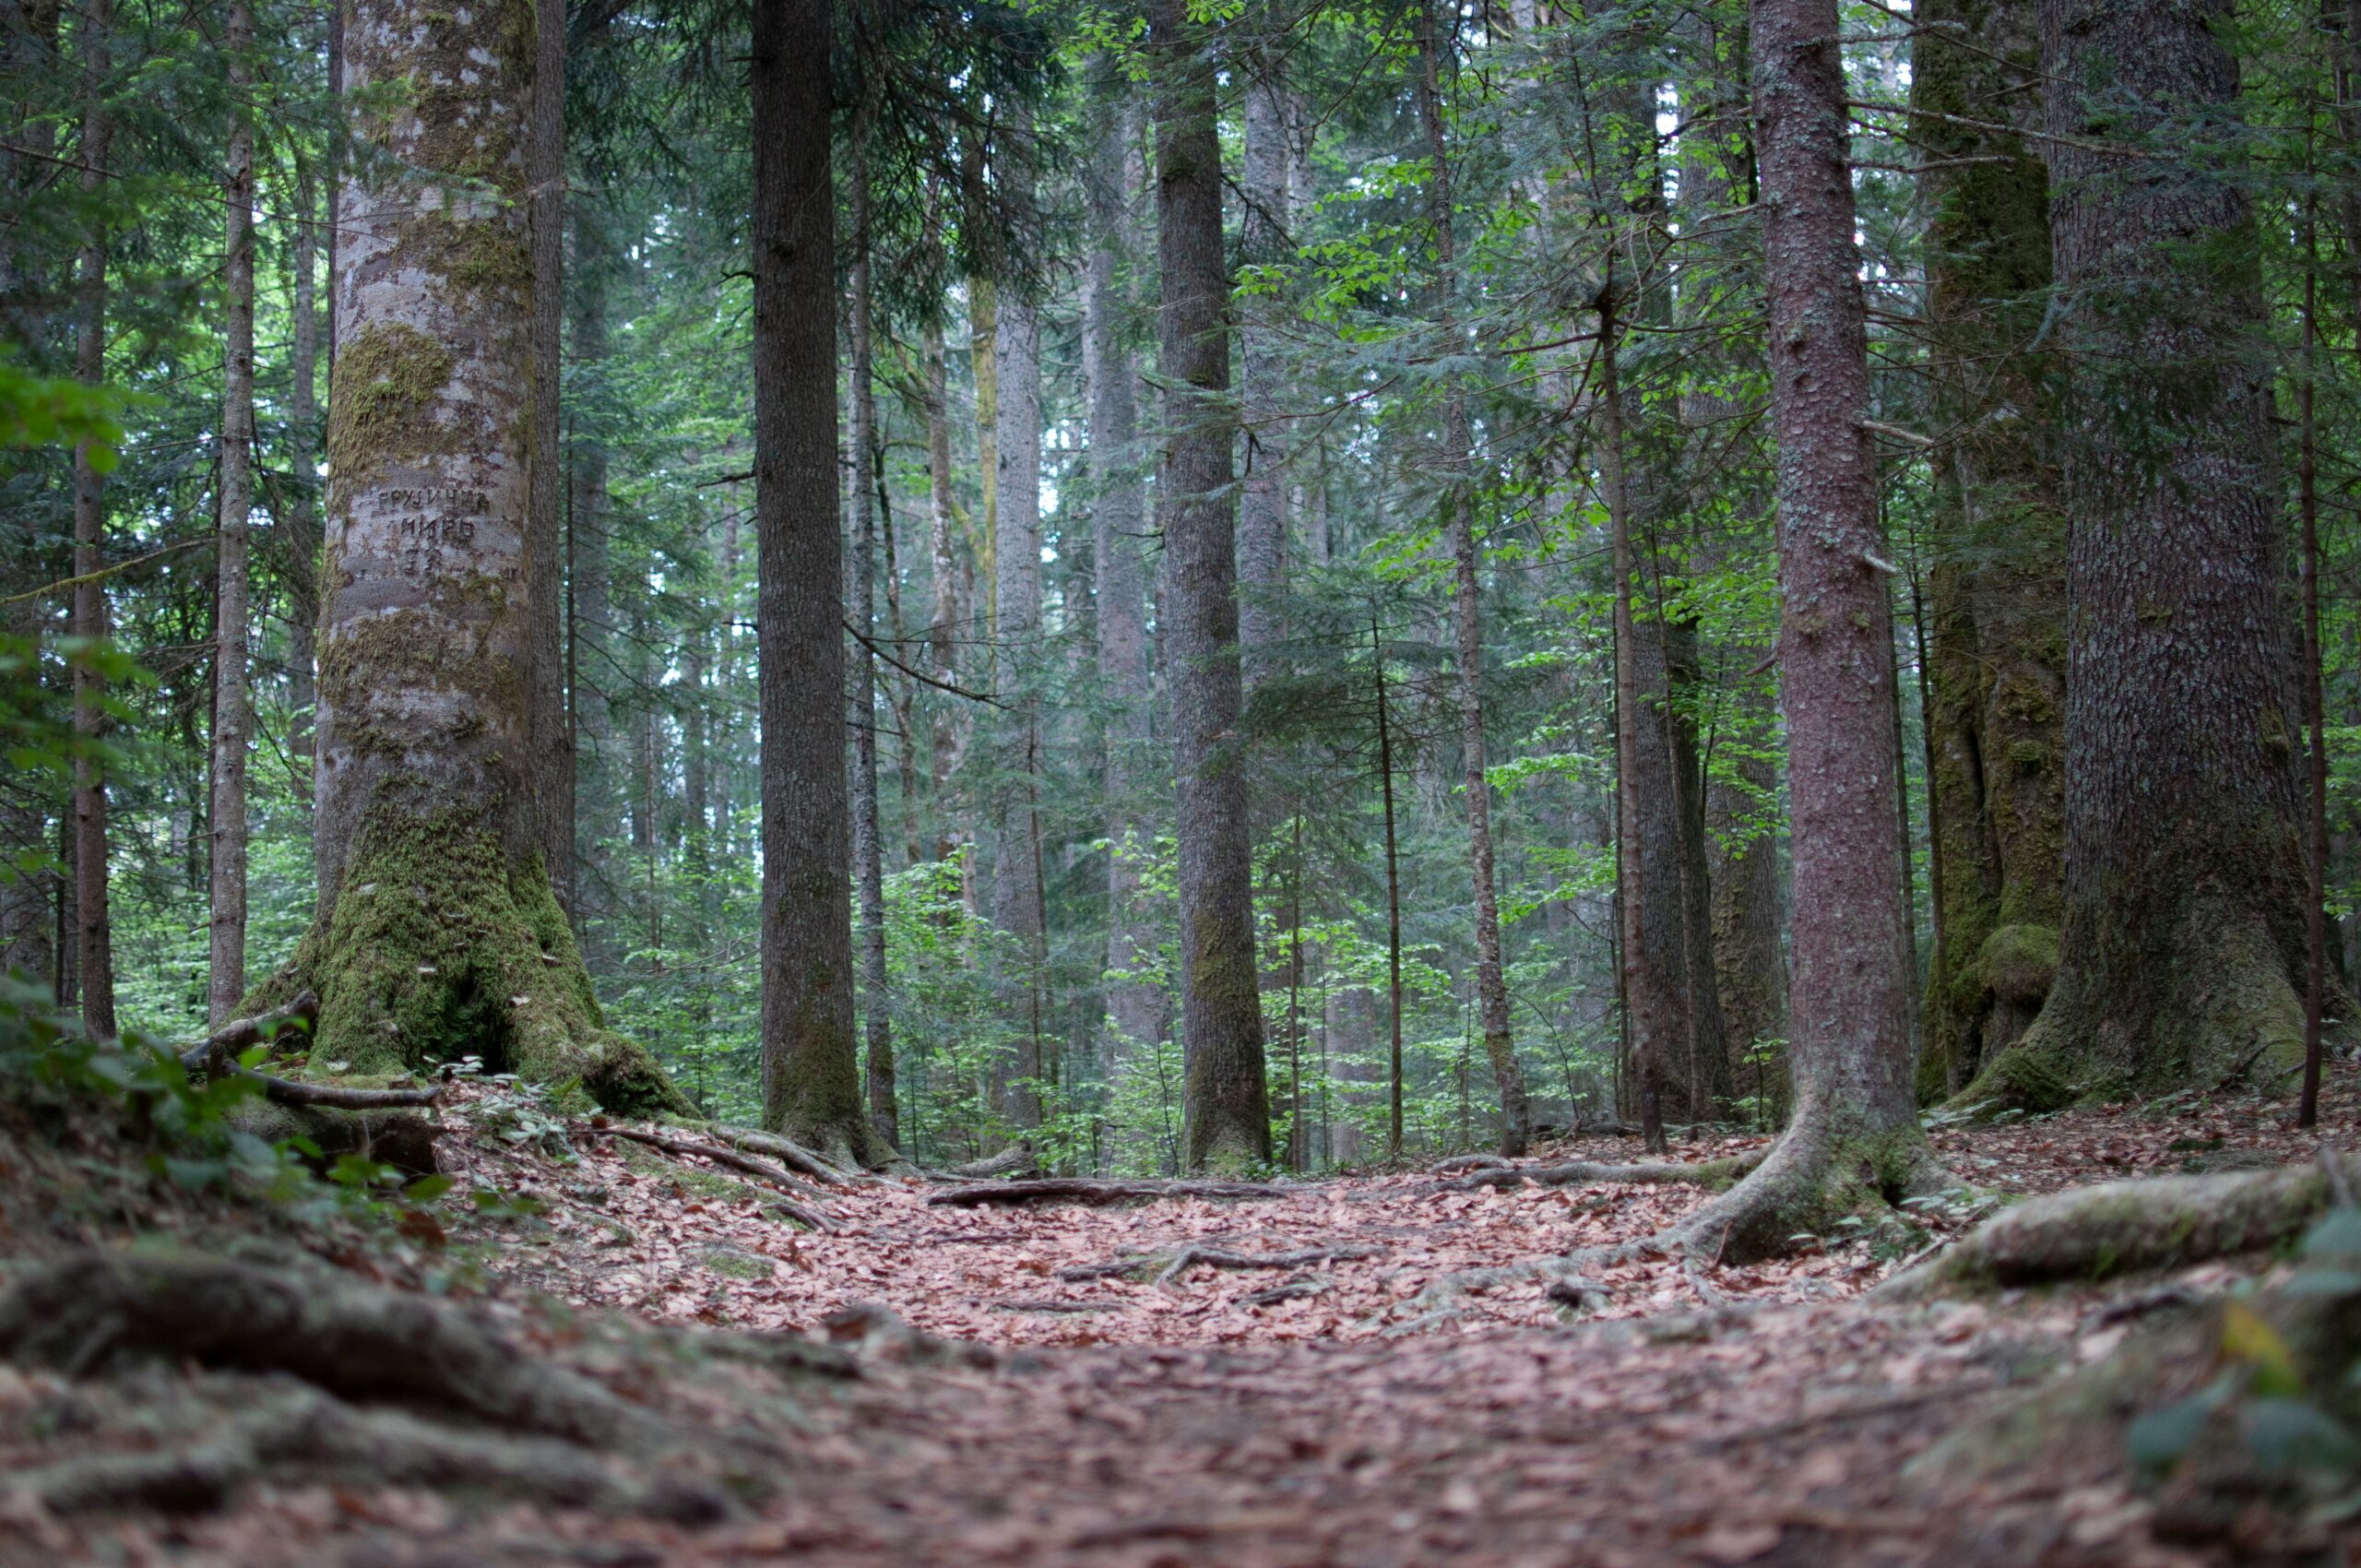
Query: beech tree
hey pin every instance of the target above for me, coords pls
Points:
(437, 935)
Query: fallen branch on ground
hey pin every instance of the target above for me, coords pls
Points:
(1705, 1173)
(1460, 1162)
(803, 1214)
(1010, 1161)
(1178, 1262)
(1090, 1190)
(239, 1033)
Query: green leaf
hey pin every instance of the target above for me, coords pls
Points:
(2337, 1236)
(2294, 1434)
(426, 1189)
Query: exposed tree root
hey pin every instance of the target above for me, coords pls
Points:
(1463, 1162)
(355, 1341)
(802, 1213)
(2094, 1233)
(402, 1138)
(788, 1152)
(1087, 1190)
(1803, 1184)
(1171, 1264)
(1707, 1173)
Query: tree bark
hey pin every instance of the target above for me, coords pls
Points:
(94, 934)
(301, 545)
(552, 733)
(2183, 949)
(1262, 494)
(1653, 952)
(1016, 895)
(812, 1088)
(589, 545)
(1853, 1141)
(868, 837)
(1996, 660)
(1139, 1010)
(1491, 985)
(233, 718)
(436, 932)
(1228, 1101)
(950, 625)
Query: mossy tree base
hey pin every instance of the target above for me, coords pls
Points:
(2225, 1003)
(438, 948)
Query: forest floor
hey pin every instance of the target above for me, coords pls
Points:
(992, 1411)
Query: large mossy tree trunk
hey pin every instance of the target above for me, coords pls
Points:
(1137, 1007)
(1996, 659)
(554, 769)
(436, 936)
(811, 1085)
(1854, 1139)
(234, 706)
(1229, 1102)
(2182, 949)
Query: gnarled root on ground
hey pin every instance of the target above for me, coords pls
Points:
(296, 1374)
(1802, 1184)
(2094, 1233)
(1165, 1265)
(1714, 1173)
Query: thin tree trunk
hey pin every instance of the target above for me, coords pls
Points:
(1262, 497)
(1854, 1139)
(949, 626)
(868, 846)
(2315, 720)
(1392, 903)
(301, 548)
(1228, 1101)
(588, 547)
(1016, 901)
(2184, 944)
(1499, 1046)
(233, 692)
(552, 742)
(1138, 1008)
(812, 1087)
(94, 937)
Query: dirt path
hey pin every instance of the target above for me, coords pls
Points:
(1706, 1415)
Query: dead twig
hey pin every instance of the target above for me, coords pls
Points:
(1188, 1256)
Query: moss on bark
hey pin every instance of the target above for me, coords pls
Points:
(435, 949)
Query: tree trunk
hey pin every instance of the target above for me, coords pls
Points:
(94, 935)
(2182, 950)
(1393, 904)
(812, 1087)
(436, 934)
(233, 709)
(589, 546)
(300, 549)
(868, 845)
(1491, 985)
(552, 733)
(949, 627)
(1139, 1010)
(1262, 497)
(1654, 950)
(1229, 1102)
(1997, 647)
(1855, 1139)
(1016, 559)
